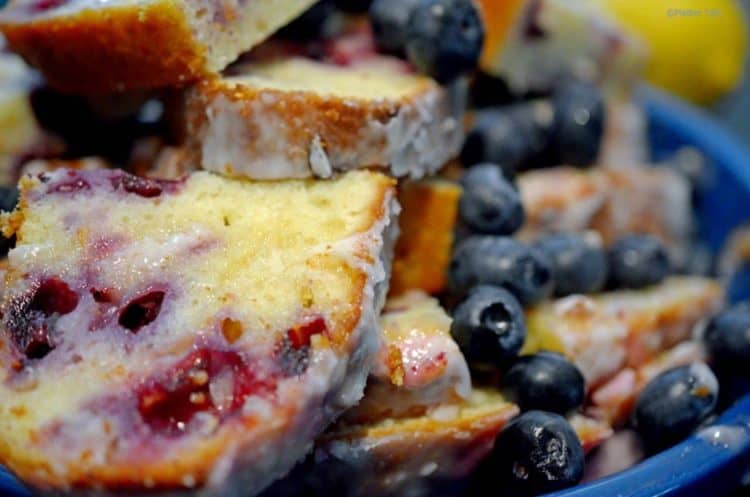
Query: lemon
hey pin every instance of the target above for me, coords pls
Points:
(697, 47)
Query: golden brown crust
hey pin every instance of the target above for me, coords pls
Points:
(498, 19)
(143, 45)
(340, 123)
(131, 473)
(428, 218)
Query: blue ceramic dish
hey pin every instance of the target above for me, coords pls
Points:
(717, 459)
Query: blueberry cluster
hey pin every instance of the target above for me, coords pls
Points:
(494, 276)
(565, 128)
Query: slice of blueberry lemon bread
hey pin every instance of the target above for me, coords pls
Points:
(295, 117)
(607, 332)
(185, 337)
(90, 46)
(612, 202)
(419, 364)
(424, 429)
(534, 43)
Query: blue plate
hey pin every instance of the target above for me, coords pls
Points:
(717, 459)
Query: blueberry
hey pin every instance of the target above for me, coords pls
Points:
(727, 337)
(516, 137)
(500, 261)
(489, 327)
(389, 19)
(578, 125)
(637, 261)
(674, 404)
(353, 6)
(490, 203)
(8, 198)
(309, 25)
(538, 452)
(444, 38)
(578, 261)
(546, 381)
(8, 201)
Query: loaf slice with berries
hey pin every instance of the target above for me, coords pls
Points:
(294, 117)
(418, 366)
(605, 333)
(612, 202)
(100, 47)
(185, 337)
(418, 445)
(532, 44)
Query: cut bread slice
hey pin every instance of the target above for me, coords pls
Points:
(409, 456)
(531, 44)
(423, 251)
(434, 454)
(186, 337)
(612, 202)
(614, 400)
(84, 46)
(298, 118)
(607, 332)
(419, 365)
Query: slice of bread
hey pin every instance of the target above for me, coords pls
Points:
(297, 118)
(531, 44)
(607, 332)
(394, 457)
(613, 401)
(83, 46)
(419, 365)
(612, 202)
(185, 337)
(434, 454)
(423, 251)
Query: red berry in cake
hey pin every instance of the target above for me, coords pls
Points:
(141, 311)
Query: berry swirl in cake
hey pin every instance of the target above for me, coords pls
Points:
(185, 337)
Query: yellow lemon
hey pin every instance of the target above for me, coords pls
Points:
(697, 47)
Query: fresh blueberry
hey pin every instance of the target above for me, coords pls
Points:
(489, 327)
(727, 337)
(637, 261)
(444, 38)
(8, 201)
(516, 137)
(309, 25)
(578, 125)
(490, 203)
(8, 198)
(545, 381)
(353, 6)
(389, 19)
(537, 452)
(579, 263)
(501, 261)
(674, 404)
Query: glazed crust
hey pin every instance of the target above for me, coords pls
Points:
(337, 121)
(142, 45)
(268, 437)
(268, 133)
